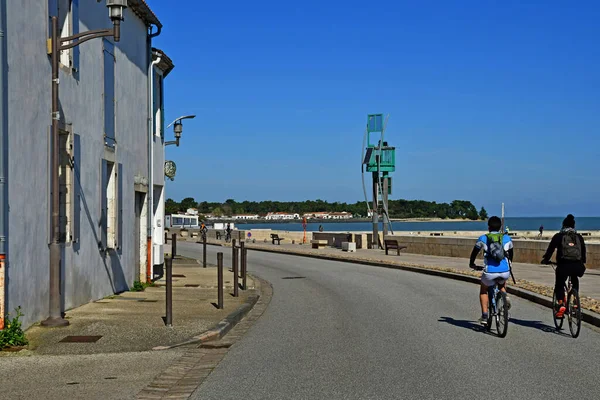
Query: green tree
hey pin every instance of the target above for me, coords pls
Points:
(217, 212)
(483, 214)
(186, 203)
(171, 206)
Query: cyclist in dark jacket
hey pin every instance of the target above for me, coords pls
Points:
(568, 265)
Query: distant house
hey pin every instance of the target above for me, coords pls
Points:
(192, 211)
(246, 216)
(319, 215)
(281, 216)
(341, 215)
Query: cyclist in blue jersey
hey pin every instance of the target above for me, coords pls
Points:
(498, 255)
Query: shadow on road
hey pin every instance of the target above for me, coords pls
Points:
(538, 325)
(463, 324)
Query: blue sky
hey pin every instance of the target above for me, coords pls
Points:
(489, 101)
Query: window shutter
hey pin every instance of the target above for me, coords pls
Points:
(103, 204)
(75, 30)
(119, 236)
(76, 201)
(109, 93)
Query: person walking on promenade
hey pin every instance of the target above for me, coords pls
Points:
(570, 260)
(541, 231)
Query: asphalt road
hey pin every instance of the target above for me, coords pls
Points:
(347, 331)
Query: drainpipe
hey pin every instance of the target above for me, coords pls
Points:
(3, 160)
(150, 208)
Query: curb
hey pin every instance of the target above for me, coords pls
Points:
(587, 316)
(222, 327)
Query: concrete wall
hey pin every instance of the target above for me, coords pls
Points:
(526, 251)
(88, 273)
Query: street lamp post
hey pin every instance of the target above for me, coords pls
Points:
(59, 44)
(178, 129)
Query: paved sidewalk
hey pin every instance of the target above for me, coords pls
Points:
(528, 275)
(120, 363)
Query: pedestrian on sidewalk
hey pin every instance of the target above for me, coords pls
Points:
(541, 230)
(570, 260)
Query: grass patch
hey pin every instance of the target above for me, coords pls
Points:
(141, 286)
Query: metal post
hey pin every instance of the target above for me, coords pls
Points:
(204, 252)
(55, 315)
(169, 288)
(173, 245)
(502, 229)
(220, 280)
(235, 267)
(166, 237)
(384, 190)
(375, 244)
(244, 266)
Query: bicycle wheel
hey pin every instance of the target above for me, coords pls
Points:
(574, 313)
(501, 314)
(491, 310)
(558, 322)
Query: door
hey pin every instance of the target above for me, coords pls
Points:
(139, 205)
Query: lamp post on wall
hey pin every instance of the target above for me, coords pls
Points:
(57, 44)
(178, 129)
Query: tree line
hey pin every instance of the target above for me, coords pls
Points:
(397, 208)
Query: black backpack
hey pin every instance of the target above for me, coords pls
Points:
(571, 246)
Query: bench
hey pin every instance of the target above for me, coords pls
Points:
(585, 233)
(349, 247)
(436, 234)
(318, 244)
(275, 237)
(393, 244)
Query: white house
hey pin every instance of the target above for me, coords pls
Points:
(318, 215)
(341, 215)
(246, 216)
(108, 191)
(282, 216)
(192, 211)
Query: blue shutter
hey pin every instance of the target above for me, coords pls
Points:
(75, 23)
(76, 223)
(109, 93)
(119, 244)
(103, 204)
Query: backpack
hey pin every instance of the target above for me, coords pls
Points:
(571, 246)
(495, 246)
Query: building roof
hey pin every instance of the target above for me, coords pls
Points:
(166, 64)
(142, 10)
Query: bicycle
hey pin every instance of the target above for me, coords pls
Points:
(572, 304)
(497, 306)
(227, 237)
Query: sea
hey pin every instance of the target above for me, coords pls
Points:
(514, 224)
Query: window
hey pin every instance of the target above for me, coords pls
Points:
(109, 94)
(112, 212)
(67, 12)
(65, 180)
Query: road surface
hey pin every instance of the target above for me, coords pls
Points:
(347, 331)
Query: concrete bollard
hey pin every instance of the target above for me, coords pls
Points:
(169, 292)
(220, 280)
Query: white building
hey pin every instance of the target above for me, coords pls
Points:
(246, 216)
(280, 216)
(105, 147)
(192, 211)
(318, 215)
(341, 215)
